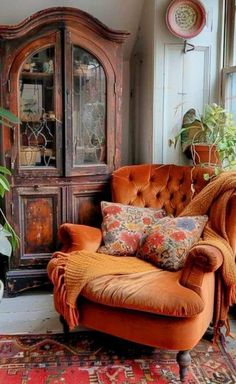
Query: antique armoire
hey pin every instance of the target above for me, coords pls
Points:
(61, 73)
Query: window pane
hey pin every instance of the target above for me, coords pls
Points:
(230, 99)
(89, 109)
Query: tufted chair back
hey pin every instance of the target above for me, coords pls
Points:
(158, 186)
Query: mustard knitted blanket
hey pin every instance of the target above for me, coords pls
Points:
(213, 200)
(71, 272)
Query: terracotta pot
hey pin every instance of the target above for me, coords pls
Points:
(205, 154)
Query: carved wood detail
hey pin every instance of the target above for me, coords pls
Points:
(61, 16)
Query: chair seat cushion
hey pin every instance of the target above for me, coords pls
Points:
(158, 292)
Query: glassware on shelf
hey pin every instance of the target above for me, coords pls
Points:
(38, 128)
(89, 108)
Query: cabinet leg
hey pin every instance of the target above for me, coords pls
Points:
(184, 360)
(66, 329)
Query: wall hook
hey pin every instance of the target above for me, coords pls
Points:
(188, 47)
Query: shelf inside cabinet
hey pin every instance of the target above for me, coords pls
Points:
(30, 75)
(37, 121)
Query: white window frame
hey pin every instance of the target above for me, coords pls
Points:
(229, 49)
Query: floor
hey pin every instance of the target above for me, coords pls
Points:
(33, 312)
(29, 313)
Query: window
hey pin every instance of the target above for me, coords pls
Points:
(229, 70)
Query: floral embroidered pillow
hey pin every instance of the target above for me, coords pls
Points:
(168, 246)
(124, 225)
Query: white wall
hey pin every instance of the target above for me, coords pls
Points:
(112, 13)
(126, 155)
(183, 80)
(172, 81)
(142, 72)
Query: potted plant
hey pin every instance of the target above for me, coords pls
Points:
(209, 138)
(8, 238)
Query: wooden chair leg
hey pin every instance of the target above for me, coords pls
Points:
(66, 329)
(184, 360)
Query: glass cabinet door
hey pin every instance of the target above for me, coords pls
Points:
(37, 111)
(88, 109)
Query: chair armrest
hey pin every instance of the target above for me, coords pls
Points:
(201, 259)
(75, 237)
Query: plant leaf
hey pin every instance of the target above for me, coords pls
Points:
(4, 170)
(5, 123)
(206, 176)
(9, 116)
(14, 239)
(2, 191)
(5, 245)
(217, 171)
(4, 182)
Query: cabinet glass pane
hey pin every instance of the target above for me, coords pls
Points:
(89, 109)
(37, 112)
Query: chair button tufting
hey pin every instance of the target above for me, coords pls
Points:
(130, 178)
(184, 197)
(139, 193)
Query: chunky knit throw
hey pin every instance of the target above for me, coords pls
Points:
(71, 272)
(213, 200)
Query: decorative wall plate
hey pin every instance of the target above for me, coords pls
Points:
(185, 18)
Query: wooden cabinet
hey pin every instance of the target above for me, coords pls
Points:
(61, 73)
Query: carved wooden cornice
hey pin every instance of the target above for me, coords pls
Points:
(61, 16)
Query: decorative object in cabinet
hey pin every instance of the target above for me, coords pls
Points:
(36, 95)
(62, 74)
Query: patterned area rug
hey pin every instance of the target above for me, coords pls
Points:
(94, 358)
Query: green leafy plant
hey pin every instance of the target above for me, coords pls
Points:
(215, 128)
(8, 237)
(8, 118)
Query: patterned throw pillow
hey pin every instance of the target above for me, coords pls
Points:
(168, 246)
(124, 225)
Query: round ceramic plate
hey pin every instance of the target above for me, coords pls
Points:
(185, 18)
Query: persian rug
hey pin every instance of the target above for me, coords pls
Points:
(95, 358)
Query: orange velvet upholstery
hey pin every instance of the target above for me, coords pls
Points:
(75, 237)
(158, 186)
(165, 309)
(166, 332)
(147, 293)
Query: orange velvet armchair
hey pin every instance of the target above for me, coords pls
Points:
(184, 300)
